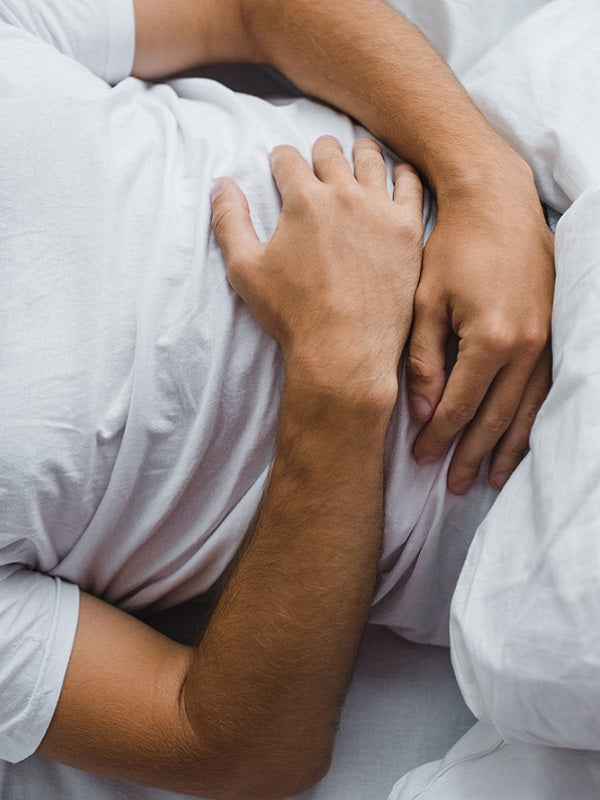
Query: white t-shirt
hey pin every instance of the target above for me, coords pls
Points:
(139, 397)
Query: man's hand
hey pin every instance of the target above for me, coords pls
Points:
(347, 302)
(488, 278)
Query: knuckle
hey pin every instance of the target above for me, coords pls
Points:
(496, 425)
(534, 340)
(437, 443)
(347, 195)
(528, 415)
(513, 453)
(459, 414)
(498, 340)
(371, 161)
(468, 461)
(409, 228)
(419, 369)
(303, 195)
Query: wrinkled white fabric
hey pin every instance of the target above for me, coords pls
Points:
(526, 610)
(539, 89)
(483, 766)
(525, 614)
(463, 31)
(528, 603)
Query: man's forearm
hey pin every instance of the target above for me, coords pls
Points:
(364, 57)
(359, 55)
(274, 663)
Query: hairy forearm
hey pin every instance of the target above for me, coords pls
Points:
(361, 56)
(272, 668)
(367, 59)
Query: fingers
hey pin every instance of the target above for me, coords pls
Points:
(426, 362)
(492, 420)
(493, 404)
(290, 170)
(408, 194)
(515, 442)
(329, 162)
(234, 229)
(467, 385)
(369, 167)
(330, 165)
(407, 185)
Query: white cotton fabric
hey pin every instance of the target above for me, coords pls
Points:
(526, 611)
(538, 88)
(483, 766)
(463, 31)
(527, 606)
(139, 397)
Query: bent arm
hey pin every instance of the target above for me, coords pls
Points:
(252, 712)
(360, 55)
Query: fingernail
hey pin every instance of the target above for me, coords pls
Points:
(425, 461)
(500, 479)
(461, 487)
(218, 186)
(420, 408)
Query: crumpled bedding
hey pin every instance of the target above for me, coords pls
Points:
(525, 614)
(526, 611)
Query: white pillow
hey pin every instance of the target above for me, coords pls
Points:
(539, 88)
(463, 31)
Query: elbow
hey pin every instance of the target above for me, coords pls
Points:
(267, 780)
(295, 781)
(280, 787)
(238, 774)
(269, 757)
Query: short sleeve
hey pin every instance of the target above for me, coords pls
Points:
(100, 34)
(38, 619)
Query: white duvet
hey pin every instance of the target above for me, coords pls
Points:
(525, 623)
(527, 610)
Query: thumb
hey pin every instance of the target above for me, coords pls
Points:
(233, 228)
(425, 366)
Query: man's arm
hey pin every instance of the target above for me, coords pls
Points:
(488, 267)
(252, 711)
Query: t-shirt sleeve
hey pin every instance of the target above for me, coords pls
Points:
(38, 619)
(100, 34)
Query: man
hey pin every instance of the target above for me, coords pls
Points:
(123, 467)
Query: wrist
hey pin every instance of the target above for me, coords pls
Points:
(474, 178)
(340, 399)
